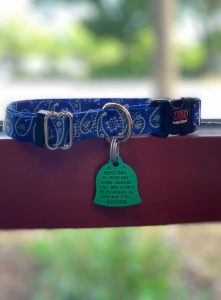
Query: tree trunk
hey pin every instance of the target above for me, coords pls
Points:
(165, 70)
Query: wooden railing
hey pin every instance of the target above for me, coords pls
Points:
(179, 182)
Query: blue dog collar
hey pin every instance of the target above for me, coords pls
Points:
(84, 119)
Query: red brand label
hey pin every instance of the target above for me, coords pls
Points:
(180, 116)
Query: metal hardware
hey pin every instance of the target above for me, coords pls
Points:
(114, 150)
(58, 115)
(127, 115)
(1, 126)
(114, 142)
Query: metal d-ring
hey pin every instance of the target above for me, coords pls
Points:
(127, 115)
(114, 142)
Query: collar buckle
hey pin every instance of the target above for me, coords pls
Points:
(177, 116)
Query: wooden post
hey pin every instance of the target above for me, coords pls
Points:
(165, 70)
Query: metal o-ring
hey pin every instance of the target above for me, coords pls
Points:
(127, 115)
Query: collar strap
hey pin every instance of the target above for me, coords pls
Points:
(84, 118)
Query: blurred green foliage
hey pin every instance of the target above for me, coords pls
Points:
(121, 19)
(191, 59)
(115, 39)
(106, 264)
(135, 59)
(103, 56)
(207, 14)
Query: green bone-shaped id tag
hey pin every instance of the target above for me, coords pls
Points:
(116, 186)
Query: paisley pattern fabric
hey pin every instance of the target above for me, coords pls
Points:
(89, 119)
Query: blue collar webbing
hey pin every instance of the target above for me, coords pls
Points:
(158, 117)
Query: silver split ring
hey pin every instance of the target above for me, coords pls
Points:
(114, 150)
